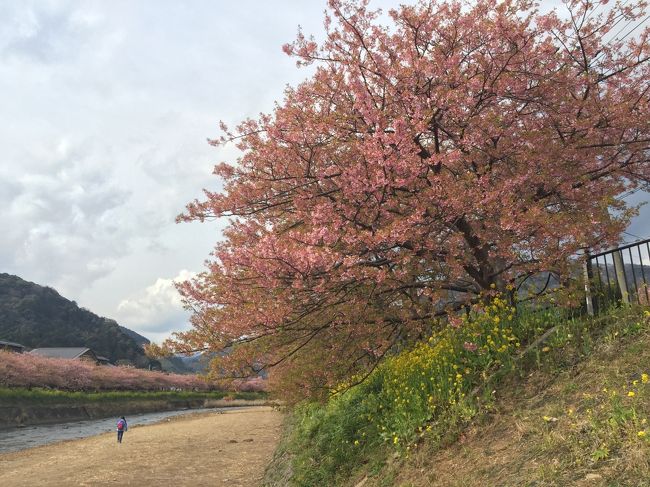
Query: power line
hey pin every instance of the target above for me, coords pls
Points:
(635, 236)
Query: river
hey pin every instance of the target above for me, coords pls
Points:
(16, 439)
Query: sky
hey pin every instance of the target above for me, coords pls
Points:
(105, 112)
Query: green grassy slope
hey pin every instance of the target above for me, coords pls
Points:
(575, 415)
(572, 410)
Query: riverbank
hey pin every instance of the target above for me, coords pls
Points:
(39, 407)
(204, 449)
(18, 439)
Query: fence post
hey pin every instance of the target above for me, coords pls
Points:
(587, 277)
(620, 276)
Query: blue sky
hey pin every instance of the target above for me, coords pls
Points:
(106, 108)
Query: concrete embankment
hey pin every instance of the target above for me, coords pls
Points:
(17, 415)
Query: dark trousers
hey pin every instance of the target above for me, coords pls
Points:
(119, 436)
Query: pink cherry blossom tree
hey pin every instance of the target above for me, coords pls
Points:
(27, 370)
(459, 148)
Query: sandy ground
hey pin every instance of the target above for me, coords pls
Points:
(208, 449)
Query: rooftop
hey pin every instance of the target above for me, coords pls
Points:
(62, 352)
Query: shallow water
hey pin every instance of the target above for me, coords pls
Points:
(17, 439)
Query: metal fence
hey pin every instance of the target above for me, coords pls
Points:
(618, 275)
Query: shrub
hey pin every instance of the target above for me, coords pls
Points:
(256, 384)
(26, 370)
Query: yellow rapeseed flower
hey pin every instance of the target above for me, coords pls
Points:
(644, 378)
(641, 434)
(631, 394)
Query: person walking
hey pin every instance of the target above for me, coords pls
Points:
(121, 428)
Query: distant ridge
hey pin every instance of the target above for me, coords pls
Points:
(139, 339)
(38, 316)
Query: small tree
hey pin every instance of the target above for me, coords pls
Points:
(461, 148)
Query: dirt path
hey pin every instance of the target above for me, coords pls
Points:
(209, 449)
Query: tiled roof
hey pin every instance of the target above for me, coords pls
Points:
(62, 352)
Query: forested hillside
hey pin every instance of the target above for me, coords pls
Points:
(38, 316)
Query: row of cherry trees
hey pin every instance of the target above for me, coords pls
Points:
(26, 370)
(461, 147)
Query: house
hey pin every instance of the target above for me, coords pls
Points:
(81, 353)
(103, 360)
(12, 347)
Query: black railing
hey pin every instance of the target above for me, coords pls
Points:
(619, 275)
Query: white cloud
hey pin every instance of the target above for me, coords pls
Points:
(61, 214)
(157, 309)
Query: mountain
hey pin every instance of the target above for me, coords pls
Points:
(38, 316)
(139, 339)
(182, 364)
(198, 362)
